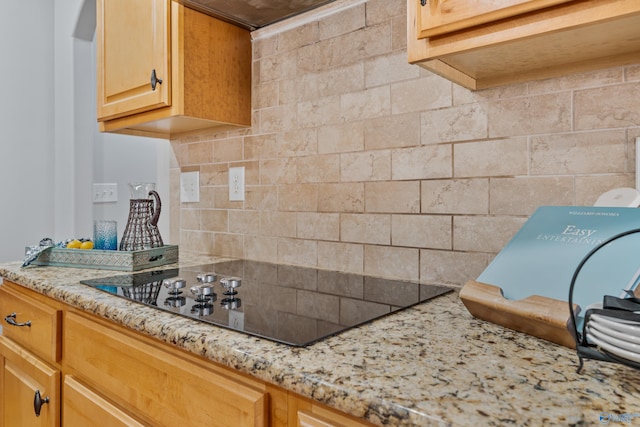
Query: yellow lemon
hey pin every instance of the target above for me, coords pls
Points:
(74, 244)
(87, 245)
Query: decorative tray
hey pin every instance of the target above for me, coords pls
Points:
(108, 260)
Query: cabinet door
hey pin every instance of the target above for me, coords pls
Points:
(23, 376)
(438, 17)
(83, 407)
(132, 40)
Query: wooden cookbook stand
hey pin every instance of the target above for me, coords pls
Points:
(536, 315)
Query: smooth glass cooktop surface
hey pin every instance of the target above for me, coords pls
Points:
(287, 304)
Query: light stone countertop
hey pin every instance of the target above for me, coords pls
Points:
(432, 364)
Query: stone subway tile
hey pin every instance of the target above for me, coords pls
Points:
(422, 231)
(392, 197)
(484, 233)
(338, 256)
(459, 123)
(429, 92)
(391, 262)
(530, 115)
(607, 107)
(341, 138)
(523, 195)
(341, 197)
(229, 245)
(502, 157)
(281, 224)
(431, 161)
(365, 228)
(451, 268)
(365, 166)
(455, 196)
(298, 197)
(398, 130)
(318, 226)
(579, 153)
(323, 168)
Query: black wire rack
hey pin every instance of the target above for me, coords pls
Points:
(585, 349)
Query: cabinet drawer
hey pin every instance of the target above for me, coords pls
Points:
(307, 413)
(42, 335)
(155, 384)
(83, 407)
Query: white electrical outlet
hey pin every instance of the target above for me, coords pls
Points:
(105, 193)
(190, 187)
(236, 184)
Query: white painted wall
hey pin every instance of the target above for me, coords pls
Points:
(50, 149)
(26, 125)
(122, 159)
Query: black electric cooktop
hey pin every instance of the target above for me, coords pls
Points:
(287, 304)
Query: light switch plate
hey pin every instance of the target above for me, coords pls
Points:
(236, 183)
(190, 187)
(105, 193)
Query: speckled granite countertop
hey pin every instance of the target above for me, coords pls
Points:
(433, 364)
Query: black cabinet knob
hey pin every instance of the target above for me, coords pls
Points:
(155, 80)
(38, 401)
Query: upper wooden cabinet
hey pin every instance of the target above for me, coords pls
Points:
(164, 69)
(438, 17)
(486, 44)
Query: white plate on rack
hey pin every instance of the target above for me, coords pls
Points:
(620, 352)
(626, 326)
(614, 333)
(592, 331)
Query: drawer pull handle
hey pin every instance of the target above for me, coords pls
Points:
(38, 401)
(11, 319)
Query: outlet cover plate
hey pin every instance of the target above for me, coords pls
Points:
(190, 187)
(236, 184)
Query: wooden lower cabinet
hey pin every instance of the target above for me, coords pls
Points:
(23, 377)
(94, 372)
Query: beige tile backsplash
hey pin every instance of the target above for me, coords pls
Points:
(360, 162)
